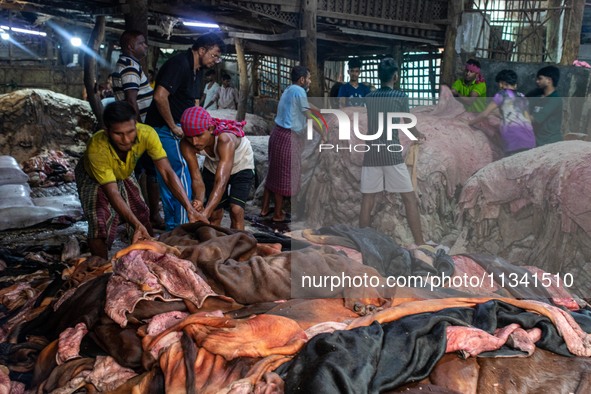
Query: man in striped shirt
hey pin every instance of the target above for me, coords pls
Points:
(383, 166)
(131, 84)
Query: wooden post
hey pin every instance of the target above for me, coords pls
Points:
(153, 55)
(278, 69)
(553, 32)
(309, 47)
(107, 70)
(109, 52)
(323, 88)
(94, 42)
(573, 23)
(448, 68)
(254, 75)
(397, 52)
(243, 73)
(49, 48)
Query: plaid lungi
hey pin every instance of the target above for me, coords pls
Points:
(103, 220)
(285, 161)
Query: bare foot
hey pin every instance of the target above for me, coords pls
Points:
(280, 219)
(265, 212)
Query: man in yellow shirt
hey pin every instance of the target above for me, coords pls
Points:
(108, 190)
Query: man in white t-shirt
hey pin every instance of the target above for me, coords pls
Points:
(226, 97)
(211, 88)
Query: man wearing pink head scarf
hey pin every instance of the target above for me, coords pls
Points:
(229, 161)
(471, 89)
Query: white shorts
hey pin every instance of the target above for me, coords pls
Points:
(393, 179)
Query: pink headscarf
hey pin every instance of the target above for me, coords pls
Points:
(475, 69)
(195, 121)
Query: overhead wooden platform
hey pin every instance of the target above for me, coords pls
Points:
(268, 27)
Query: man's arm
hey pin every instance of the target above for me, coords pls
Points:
(121, 207)
(225, 151)
(174, 185)
(131, 98)
(478, 91)
(161, 98)
(491, 107)
(190, 155)
(214, 99)
(319, 129)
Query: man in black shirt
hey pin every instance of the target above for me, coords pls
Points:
(384, 169)
(546, 106)
(178, 86)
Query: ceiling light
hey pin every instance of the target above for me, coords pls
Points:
(4, 35)
(76, 41)
(25, 31)
(200, 24)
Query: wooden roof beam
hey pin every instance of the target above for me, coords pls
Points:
(379, 21)
(205, 16)
(290, 35)
(367, 33)
(253, 47)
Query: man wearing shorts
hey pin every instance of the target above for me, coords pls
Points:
(383, 169)
(108, 190)
(229, 161)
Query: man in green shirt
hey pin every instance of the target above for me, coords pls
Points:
(471, 90)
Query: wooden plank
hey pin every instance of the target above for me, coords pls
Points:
(278, 69)
(553, 32)
(309, 48)
(192, 13)
(243, 73)
(270, 50)
(254, 76)
(573, 23)
(456, 7)
(379, 21)
(96, 37)
(290, 35)
(388, 36)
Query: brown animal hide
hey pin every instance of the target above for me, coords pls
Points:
(544, 371)
(35, 120)
(452, 152)
(529, 209)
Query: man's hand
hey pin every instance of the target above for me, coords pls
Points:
(420, 136)
(177, 131)
(324, 134)
(475, 123)
(140, 234)
(198, 205)
(195, 216)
